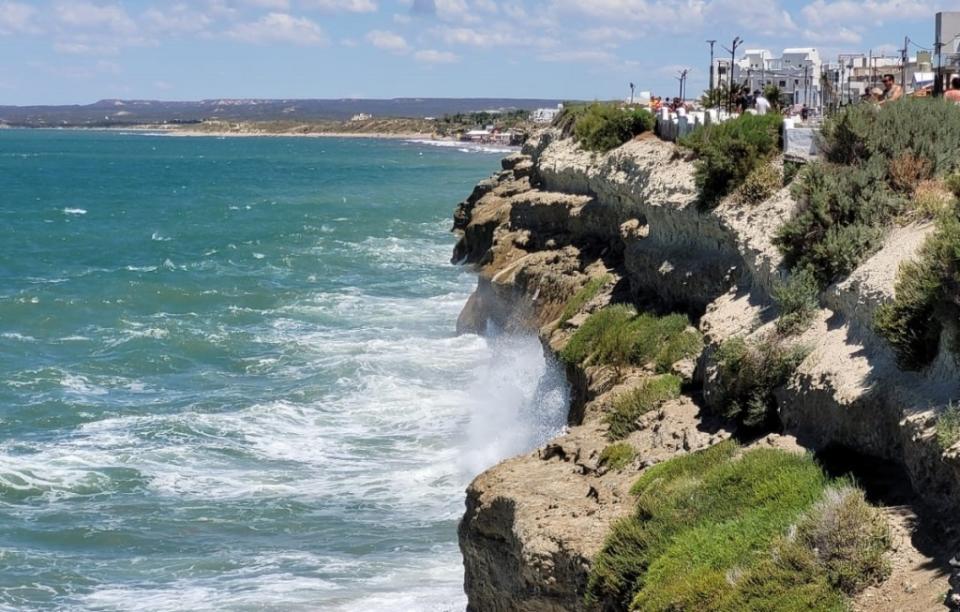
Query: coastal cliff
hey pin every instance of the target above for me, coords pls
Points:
(557, 218)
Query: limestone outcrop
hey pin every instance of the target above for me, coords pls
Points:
(556, 216)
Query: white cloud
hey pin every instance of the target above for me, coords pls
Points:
(591, 56)
(837, 36)
(176, 19)
(16, 17)
(501, 36)
(280, 28)
(477, 38)
(874, 12)
(95, 16)
(432, 56)
(348, 6)
(389, 41)
(276, 5)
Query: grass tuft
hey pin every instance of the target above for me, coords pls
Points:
(710, 532)
(584, 295)
(631, 405)
(618, 336)
(617, 456)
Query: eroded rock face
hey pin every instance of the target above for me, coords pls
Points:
(556, 216)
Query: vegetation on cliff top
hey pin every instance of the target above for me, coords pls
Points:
(731, 530)
(875, 160)
(631, 405)
(603, 126)
(729, 152)
(618, 336)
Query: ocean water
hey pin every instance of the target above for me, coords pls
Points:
(229, 378)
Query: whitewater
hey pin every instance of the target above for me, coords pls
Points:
(229, 378)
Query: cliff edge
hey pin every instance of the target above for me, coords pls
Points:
(557, 218)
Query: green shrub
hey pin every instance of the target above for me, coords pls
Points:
(875, 160)
(840, 218)
(924, 297)
(631, 405)
(924, 128)
(617, 456)
(798, 300)
(603, 127)
(948, 426)
(760, 184)
(709, 533)
(848, 537)
(790, 171)
(749, 373)
(952, 183)
(618, 336)
(728, 152)
(584, 295)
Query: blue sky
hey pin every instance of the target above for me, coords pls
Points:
(79, 51)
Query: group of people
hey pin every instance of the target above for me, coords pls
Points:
(656, 103)
(755, 103)
(891, 92)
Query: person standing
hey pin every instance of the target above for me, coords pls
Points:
(891, 91)
(953, 94)
(761, 103)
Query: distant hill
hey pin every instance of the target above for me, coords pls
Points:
(132, 112)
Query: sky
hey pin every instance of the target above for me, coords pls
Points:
(80, 51)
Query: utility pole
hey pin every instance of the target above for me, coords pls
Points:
(631, 93)
(903, 64)
(683, 80)
(733, 54)
(711, 43)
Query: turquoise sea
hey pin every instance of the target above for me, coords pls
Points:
(229, 378)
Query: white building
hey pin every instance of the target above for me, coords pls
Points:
(796, 73)
(361, 117)
(545, 115)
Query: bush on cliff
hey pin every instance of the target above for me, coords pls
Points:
(749, 373)
(840, 217)
(584, 295)
(712, 531)
(603, 127)
(948, 426)
(925, 296)
(631, 405)
(798, 299)
(727, 153)
(760, 184)
(618, 336)
(875, 161)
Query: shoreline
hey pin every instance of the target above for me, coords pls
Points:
(166, 131)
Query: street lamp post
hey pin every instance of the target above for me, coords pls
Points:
(733, 54)
(711, 43)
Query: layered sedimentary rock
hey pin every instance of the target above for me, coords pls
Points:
(557, 216)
